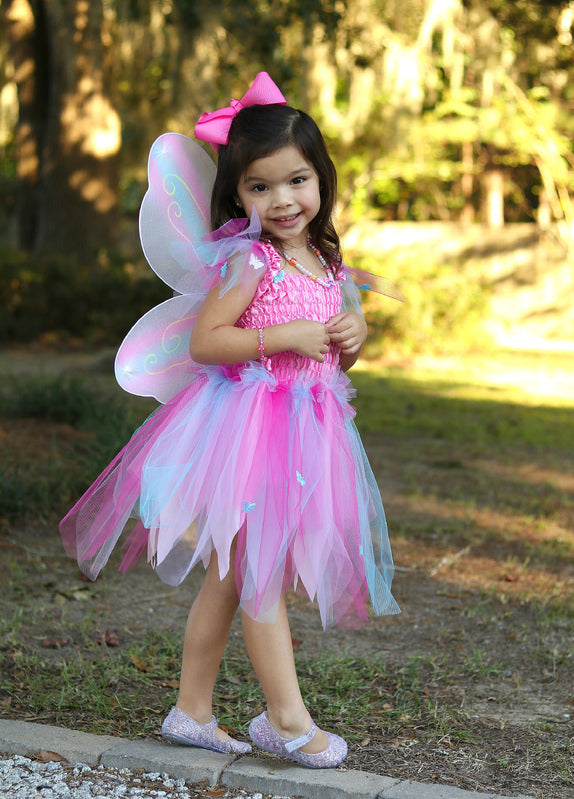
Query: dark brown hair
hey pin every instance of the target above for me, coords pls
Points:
(259, 131)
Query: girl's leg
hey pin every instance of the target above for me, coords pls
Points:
(270, 649)
(206, 633)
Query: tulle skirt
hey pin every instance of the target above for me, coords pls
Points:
(239, 456)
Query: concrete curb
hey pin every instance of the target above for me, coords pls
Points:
(202, 766)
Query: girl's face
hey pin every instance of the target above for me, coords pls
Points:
(284, 190)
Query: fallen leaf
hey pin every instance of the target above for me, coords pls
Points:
(111, 639)
(46, 756)
(171, 684)
(81, 595)
(55, 643)
(140, 666)
(366, 741)
(296, 642)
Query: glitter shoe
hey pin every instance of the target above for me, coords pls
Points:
(266, 737)
(179, 728)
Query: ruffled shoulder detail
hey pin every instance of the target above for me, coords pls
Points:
(228, 256)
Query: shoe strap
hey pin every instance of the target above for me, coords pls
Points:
(296, 743)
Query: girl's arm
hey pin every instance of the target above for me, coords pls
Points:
(215, 340)
(349, 331)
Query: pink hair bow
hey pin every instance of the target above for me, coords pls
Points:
(213, 126)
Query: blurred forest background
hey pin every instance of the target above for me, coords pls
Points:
(450, 122)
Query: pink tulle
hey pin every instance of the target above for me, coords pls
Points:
(267, 463)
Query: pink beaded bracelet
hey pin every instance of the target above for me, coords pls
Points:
(262, 357)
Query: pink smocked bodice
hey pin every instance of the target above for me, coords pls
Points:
(283, 297)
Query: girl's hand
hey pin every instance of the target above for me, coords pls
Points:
(307, 338)
(348, 331)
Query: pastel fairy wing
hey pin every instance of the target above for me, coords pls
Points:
(370, 282)
(174, 221)
(360, 279)
(154, 359)
(175, 210)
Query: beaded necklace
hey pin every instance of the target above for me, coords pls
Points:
(326, 282)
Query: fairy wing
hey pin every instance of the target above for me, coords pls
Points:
(175, 209)
(370, 282)
(359, 279)
(154, 359)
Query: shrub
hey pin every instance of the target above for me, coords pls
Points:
(55, 295)
(444, 308)
(38, 482)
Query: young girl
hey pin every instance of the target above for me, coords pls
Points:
(254, 465)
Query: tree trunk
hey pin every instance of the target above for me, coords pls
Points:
(467, 183)
(69, 131)
(493, 198)
(26, 29)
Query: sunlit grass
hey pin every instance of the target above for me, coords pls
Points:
(459, 404)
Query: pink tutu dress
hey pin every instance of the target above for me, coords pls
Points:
(270, 457)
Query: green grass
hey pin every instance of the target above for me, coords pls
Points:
(132, 689)
(34, 487)
(459, 410)
(78, 400)
(463, 446)
(408, 405)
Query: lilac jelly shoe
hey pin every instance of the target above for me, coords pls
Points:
(266, 737)
(179, 728)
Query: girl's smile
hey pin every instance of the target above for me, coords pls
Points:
(284, 190)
